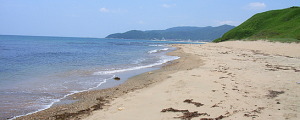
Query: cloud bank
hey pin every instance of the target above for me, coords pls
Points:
(104, 10)
(256, 6)
(168, 5)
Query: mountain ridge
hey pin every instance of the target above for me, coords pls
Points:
(208, 33)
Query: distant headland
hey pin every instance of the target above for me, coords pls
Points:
(176, 33)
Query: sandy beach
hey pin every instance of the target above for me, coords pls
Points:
(230, 80)
(236, 80)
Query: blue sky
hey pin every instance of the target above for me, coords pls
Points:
(99, 18)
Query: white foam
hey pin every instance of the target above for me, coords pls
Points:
(190, 41)
(138, 61)
(58, 100)
(158, 50)
(165, 59)
(157, 45)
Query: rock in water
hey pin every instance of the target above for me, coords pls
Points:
(117, 78)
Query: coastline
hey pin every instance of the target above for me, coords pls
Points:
(84, 102)
(236, 80)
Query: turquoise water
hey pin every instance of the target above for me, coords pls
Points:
(36, 72)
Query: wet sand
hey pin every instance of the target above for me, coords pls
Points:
(230, 80)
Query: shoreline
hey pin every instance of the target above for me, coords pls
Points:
(87, 99)
(234, 80)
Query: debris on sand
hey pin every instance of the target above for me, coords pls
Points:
(273, 94)
(173, 110)
(65, 116)
(217, 118)
(254, 113)
(190, 115)
(187, 115)
(191, 102)
(100, 104)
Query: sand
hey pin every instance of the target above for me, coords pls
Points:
(230, 80)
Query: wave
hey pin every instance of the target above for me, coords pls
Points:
(65, 96)
(160, 62)
(164, 59)
(157, 45)
(185, 41)
(158, 50)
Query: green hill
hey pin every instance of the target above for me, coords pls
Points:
(275, 25)
(177, 33)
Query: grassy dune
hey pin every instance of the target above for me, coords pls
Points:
(275, 25)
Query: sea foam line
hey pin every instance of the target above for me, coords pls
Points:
(65, 96)
(157, 45)
(184, 41)
(104, 81)
(138, 67)
(158, 50)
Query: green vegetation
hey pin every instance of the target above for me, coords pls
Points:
(276, 25)
(177, 33)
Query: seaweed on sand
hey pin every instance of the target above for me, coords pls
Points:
(187, 115)
(101, 102)
(191, 102)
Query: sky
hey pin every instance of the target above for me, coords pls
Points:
(99, 18)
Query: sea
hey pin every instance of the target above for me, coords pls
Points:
(37, 72)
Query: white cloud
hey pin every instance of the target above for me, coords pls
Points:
(113, 11)
(104, 10)
(141, 22)
(168, 5)
(228, 22)
(256, 6)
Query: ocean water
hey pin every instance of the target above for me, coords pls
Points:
(37, 72)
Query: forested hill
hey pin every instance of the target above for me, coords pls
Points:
(276, 25)
(176, 33)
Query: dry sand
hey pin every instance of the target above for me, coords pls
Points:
(230, 80)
